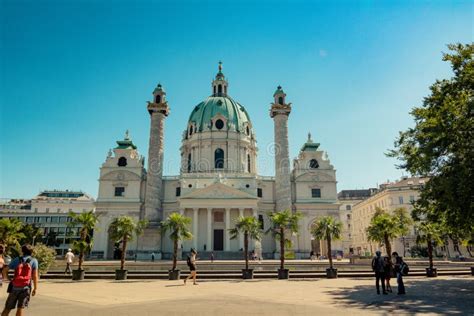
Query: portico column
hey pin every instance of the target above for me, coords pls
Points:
(195, 228)
(254, 214)
(226, 232)
(209, 228)
(241, 238)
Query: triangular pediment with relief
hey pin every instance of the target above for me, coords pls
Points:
(218, 191)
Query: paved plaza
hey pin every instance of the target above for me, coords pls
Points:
(443, 295)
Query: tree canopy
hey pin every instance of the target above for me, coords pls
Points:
(441, 145)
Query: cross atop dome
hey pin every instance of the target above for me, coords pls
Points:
(219, 84)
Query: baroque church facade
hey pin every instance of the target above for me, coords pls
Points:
(218, 180)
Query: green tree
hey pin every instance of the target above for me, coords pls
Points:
(384, 227)
(283, 223)
(327, 228)
(123, 229)
(429, 234)
(11, 234)
(250, 228)
(440, 145)
(45, 256)
(87, 222)
(177, 225)
(32, 234)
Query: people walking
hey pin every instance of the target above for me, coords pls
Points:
(152, 257)
(24, 282)
(399, 267)
(192, 267)
(379, 269)
(2, 264)
(69, 257)
(388, 273)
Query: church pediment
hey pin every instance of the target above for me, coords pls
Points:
(218, 191)
(120, 175)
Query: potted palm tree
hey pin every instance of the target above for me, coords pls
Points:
(87, 222)
(384, 227)
(283, 224)
(177, 225)
(330, 229)
(123, 229)
(430, 234)
(250, 228)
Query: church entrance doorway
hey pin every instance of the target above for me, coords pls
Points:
(218, 239)
(316, 247)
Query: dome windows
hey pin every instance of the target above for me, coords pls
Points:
(280, 100)
(158, 99)
(247, 130)
(219, 124)
(313, 164)
(219, 159)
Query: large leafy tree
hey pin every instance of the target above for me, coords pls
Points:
(441, 145)
(384, 227)
(327, 228)
(87, 222)
(284, 224)
(124, 229)
(250, 228)
(11, 234)
(178, 226)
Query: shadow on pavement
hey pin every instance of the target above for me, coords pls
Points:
(441, 296)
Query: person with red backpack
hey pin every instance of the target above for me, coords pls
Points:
(20, 287)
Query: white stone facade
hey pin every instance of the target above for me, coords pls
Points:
(219, 180)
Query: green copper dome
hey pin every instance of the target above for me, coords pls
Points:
(234, 113)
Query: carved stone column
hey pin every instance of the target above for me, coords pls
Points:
(209, 230)
(195, 228)
(226, 231)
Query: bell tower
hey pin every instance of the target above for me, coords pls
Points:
(158, 110)
(219, 84)
(279, 111)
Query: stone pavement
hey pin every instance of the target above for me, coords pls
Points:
(443, 295)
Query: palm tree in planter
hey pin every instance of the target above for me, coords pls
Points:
(430, 234)
(86, 222)
(177, 225)
(250, 228)
(283, 224)
(123, 229)
(329, 229)
(384, 227)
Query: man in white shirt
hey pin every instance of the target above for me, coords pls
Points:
(69, 258)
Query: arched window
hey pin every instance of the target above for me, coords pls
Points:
(219, 159)
(122, 162)
(158, 99)
(280, 100)
(219, 89)
(248, 130)
(313, 164)
(248, 164)
(219, 124)
(190, 130)
(189, 162)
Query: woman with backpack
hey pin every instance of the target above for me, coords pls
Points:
(191, 261)
(400, 266)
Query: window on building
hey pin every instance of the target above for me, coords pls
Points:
(122, 162)
(412, 198)
(262, 223)
(219, 159)
(316, 193)
(248, 164)
(400, 200)
(247, 130)
(119, 191)
(219, 124)
(58, 210)
(313, 164)
(178, 191)
(259, 192)
(219, 89)
(348, 207)
(54, 219)
(348, 216)
(47, 210)
(280, 100)
(158, 99)
(189, 163)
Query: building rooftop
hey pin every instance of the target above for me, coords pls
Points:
(358, 194)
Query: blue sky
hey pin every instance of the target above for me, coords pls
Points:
(76, 74)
